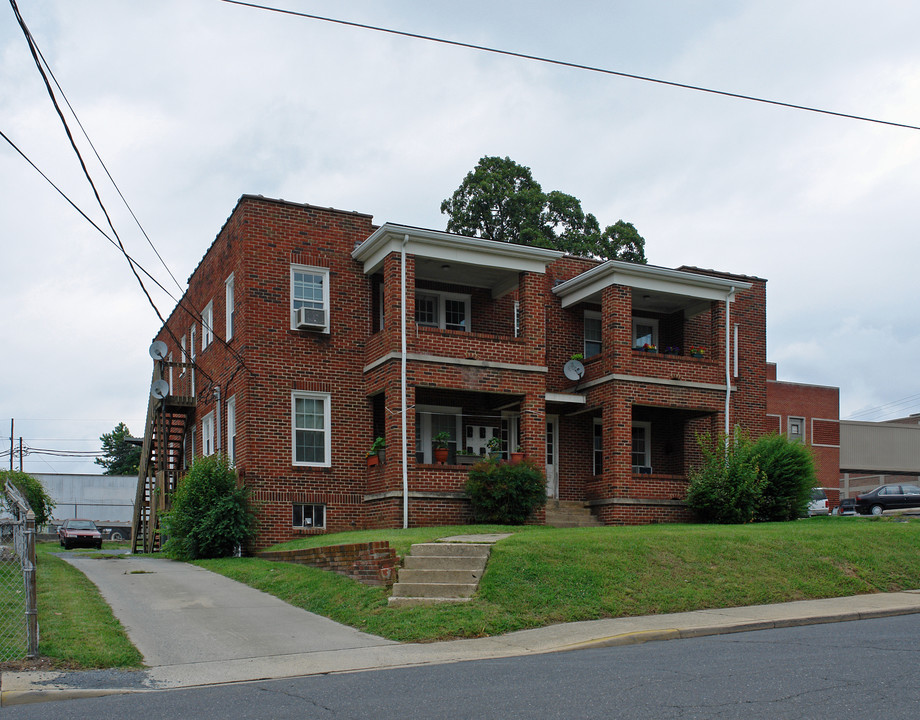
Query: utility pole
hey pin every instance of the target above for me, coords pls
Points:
(20, 453)
(12, 425)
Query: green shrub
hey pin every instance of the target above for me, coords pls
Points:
(210, 515)
(728, 486)
(34, 492)
(790, 474)
(505, 493)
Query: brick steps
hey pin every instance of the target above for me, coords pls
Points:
(568, 513)
(440, 572)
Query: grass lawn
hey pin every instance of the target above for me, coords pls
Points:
(542, 575)
(76, 626)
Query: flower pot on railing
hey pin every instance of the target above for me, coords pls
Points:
(697, 352)
(516, 457)
(440, 455)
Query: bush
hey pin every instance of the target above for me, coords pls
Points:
(34, 492)
(727, 488)
(505, 493)
(210, 515)
(789, 469)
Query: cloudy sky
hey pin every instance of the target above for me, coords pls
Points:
(192, 103)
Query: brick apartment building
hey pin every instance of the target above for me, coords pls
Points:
(334, 331)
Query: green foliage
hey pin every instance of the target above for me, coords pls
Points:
(789, 469)
(210, 514)
(121, 457)
(441, 440)
(34, 492)
(505, 493)
(500, 200)
(728, 486)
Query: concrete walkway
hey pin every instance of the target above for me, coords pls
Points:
(198, 628)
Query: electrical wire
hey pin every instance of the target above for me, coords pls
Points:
(563, 63)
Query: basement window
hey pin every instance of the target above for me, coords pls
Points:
(309, 516)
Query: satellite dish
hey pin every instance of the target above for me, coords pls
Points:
(159, 389)
(158, 350)
(574, 370)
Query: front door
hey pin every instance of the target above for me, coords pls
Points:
(552, 456)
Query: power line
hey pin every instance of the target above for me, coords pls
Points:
(563, 63)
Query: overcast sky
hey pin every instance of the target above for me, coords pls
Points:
(192, 103)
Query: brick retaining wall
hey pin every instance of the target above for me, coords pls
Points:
(371, 563)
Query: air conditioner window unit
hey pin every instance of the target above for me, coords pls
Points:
(310, 318)
(641, 470)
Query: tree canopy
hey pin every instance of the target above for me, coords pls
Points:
(500, 200)
(39, 500)
(120, 457)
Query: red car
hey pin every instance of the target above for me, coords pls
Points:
(79, 533)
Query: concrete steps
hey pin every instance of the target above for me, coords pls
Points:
(440, 572)
(569, 513)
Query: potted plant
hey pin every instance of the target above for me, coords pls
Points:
(697, 352)
(672, 350)
(577, 356)
(649, 348)
(495, 446)
(466, 457)
(376, 453)
(517, 455)
(439, 446)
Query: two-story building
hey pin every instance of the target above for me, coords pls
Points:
(308, 332)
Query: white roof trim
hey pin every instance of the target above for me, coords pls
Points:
(451, 248)
(646, 277)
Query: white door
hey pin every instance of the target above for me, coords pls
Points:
(552, 456)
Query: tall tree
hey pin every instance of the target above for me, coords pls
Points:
(120, 456)
(500, 200)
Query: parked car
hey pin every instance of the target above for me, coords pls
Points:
(888, 497)
(818, 503)
(847, 507)
(79, 533)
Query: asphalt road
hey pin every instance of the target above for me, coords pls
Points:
(852, 670)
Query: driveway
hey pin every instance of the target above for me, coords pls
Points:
(177, 614)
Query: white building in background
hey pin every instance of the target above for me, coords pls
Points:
(106, 499)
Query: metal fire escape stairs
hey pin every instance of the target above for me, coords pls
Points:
(161, 462)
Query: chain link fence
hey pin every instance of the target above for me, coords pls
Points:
(18, 614)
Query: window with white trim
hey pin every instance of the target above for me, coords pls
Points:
(645, 332)
(207, 434)
(642, 446)
(229, 307)
(207, 325)
(309, 516)
(309, 298)
(448, 311)
(183, 354)
(191, 342)
(796, 429)
(231, 429)
(310, 427)
(517, 318)
(431, 420)
(169, 362)
(592, 333)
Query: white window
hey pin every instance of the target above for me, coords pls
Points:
(598, 446)
(796, 430)
(192, 444)
(449, 311)
(191, 341)
(231, 429)
(183, 355)
(169, 362)
(645, 332)
(207, 325)
(517, 318)
(430, 420)
(310, 424)
(309, 298)
(207, 434)
(592, 333)
(309, 516)
(642, 446)
(230, 307)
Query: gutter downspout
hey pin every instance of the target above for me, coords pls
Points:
(729, 299)
(405, 431)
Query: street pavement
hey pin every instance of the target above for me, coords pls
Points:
(195, 628)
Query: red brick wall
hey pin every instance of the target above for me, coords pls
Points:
(372, 563)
